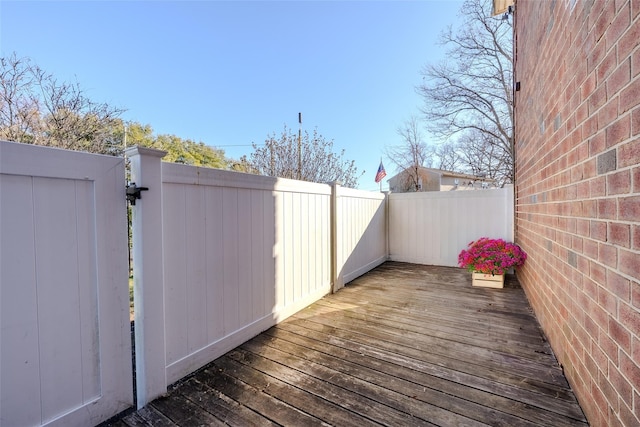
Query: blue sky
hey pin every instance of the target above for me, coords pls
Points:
(232, 73)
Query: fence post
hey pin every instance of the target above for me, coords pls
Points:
(148, 284)
(510, 212)
(386, 225)
(337, 280)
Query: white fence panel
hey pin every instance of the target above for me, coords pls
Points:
(238, 252)
(433, 227)
(65, 343)
(241, 252)
(361, 235)
(218, 256)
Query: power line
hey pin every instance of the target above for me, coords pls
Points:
(237, 145)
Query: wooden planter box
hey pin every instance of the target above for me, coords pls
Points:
(488, 280)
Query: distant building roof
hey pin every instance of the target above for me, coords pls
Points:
(446, 173)
(431, 179)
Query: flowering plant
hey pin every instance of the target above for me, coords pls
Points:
(491, 256)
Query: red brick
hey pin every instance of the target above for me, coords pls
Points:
(619, 183)
(629, 262)
(620, 335)
(620, 383)
(606, 299)
(627, 416)
(629, 154)
(618, 131)
(592, 410)
(582, 111)
(629, 208)
(608, 391)
(590, 248)
(607, 209)
(579, 189)
(597, 99)
(613, 419)
(608, 255)
(629, 317)
(635, 349)
(599, 356)
(604, 19)
(582, 191)
(589, 128)
(590, 207)
(629, 96)
(619, 234)
(629, 369)
(598, 274)
(574, 156)
(618, 26)
(591, 16)
(635, 63)
(635, 236)
(590, 168)
(620, 77)
(598, 186)
(635, 118)
(583, 265)
(619, 286)
(607, 114)
(587, 88)
(592, 329)
(635, 295)
(607, 65)
(598, 230)
(582, 148)
(598, 142)
(629, 40)
(572, 133)
(576, 175)
(609, 347)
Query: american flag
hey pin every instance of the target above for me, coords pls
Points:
(381, 173)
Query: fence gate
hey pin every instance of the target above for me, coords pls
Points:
(65, 347)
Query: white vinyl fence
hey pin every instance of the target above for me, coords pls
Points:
(227, 255)
(361, 243)
(240, 253)
(433, 227)
(65, 342)
(218, 256)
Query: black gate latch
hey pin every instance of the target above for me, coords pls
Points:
(133, 192)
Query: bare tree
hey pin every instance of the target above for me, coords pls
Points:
(316, 161)
(36, 108)
(482, 157)
(446, 156)
(471, 93)
(19, 107)
(409, 156)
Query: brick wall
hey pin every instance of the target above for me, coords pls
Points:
(578, 192)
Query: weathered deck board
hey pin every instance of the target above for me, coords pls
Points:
(402, 345)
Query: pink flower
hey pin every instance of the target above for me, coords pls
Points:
(491, 256)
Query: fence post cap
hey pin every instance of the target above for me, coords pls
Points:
(144, 151)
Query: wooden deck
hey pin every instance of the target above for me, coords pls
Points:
(404, 345)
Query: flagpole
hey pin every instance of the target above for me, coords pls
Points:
(380, 174)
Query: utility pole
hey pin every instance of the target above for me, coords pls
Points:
(300, 146)
(272, 162)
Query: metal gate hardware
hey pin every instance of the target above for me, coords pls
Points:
(133, 192)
